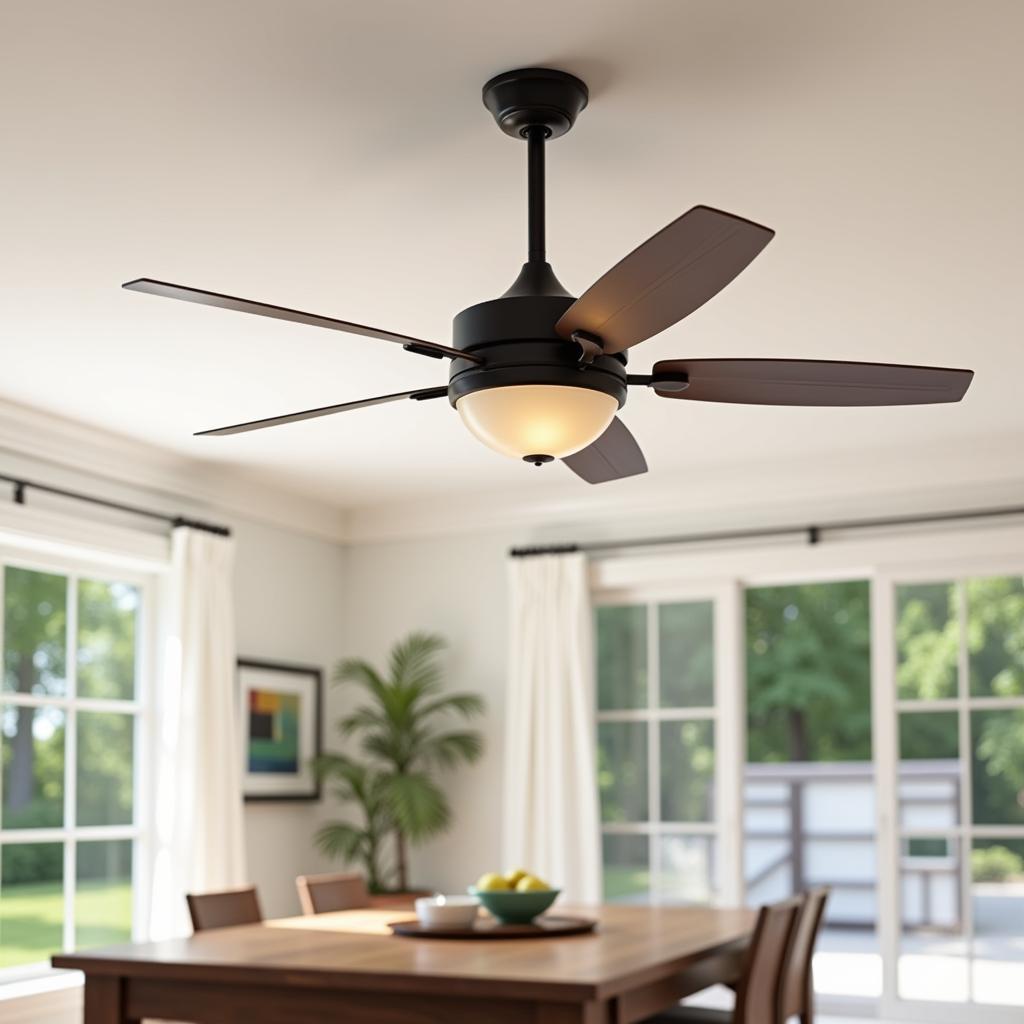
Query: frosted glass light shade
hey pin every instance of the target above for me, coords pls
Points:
(537, 419)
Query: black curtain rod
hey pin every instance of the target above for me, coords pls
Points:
(811, 533)
(21, 485)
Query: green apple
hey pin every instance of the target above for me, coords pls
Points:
(531, 883)
(492, 882)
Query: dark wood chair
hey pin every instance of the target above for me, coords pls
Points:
(320, 894)
(798, 980)
(759, 991)
(224, 909)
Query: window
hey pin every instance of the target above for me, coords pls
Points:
(71, 700)
(656, 751)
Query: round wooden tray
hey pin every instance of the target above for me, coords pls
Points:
(546, 927)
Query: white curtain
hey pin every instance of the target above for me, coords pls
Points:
(550, 784)
(197, 826)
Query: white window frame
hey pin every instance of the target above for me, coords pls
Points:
(73, 567)
(883, 557)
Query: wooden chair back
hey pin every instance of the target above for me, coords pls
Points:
(759, 992)
(320, 894)
(798, 981)
(224, 909)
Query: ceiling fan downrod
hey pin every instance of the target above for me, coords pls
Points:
(535, 104)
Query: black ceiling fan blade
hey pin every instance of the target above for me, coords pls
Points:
(614, 455)
(811, 382)
(326, 410)
(665, 279)
(205, 298)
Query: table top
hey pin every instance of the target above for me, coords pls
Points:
(355, 949)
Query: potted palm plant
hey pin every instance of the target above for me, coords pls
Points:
(409, 731)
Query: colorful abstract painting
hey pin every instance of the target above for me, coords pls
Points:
(279, 711)
(273, 731)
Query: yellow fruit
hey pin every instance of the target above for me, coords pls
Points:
(531, 883)
(492, 882)
(515, 877)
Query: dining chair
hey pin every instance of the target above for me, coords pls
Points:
(798, 978)
(759, 991)
(320, 894)
(224, 909)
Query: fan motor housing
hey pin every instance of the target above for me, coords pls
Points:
(515, 336)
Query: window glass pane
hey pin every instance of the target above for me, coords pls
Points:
(107, 615)
(32, 756)
(622, 770)
(105, 745)
(687, 654)
(997, 742)
(622, 657)
(31, 902)
(932, 962)
(926, 847)
(626, 869)
(687, 771)
(995, 636)
(929, 769)
(809, 672)
(687, 869)
(927, 641)
(927, 735)
(997, 898)
(35, 623)
(103, 893)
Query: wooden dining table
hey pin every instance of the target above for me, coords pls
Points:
(348, 968)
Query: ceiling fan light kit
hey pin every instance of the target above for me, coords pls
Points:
(538, 374)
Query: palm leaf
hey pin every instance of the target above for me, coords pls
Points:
(465, 704)
(419, 807)
(355, 670)
(414, 665)
(362, 718)
(450, 749)
(342, 840)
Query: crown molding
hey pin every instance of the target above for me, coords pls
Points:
(968, 474)
(172, 482)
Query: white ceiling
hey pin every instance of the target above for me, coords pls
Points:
(336, 157)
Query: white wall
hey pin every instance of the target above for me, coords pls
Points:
(456, 587)
(290, 593)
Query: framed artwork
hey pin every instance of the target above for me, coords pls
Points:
(280, 712)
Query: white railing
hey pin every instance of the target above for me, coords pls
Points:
(813, 823)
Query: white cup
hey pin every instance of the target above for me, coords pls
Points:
(447, 911)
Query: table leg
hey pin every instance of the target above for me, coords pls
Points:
(104, 1000)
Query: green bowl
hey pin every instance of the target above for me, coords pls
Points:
(511, 907)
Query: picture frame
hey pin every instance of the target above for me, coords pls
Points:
(280, 710)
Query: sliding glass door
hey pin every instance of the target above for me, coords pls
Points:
(848, 714)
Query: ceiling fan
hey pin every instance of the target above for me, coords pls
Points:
(538, 374)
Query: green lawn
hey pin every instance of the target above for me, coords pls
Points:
(32, 916)
(621, 882)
